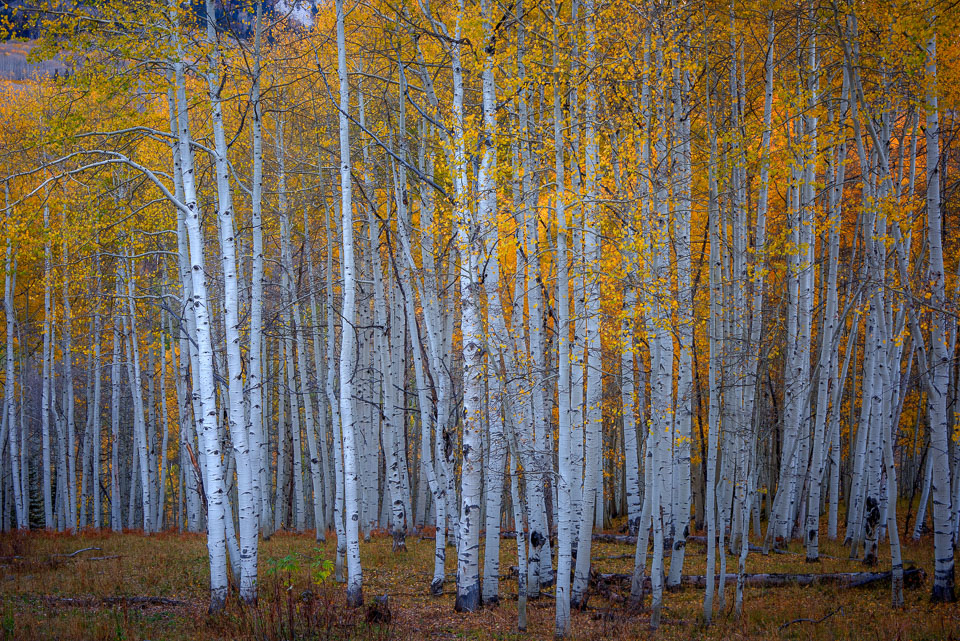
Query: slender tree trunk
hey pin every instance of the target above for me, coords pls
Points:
(136, 396)
(347, 343)
(217, 501)
(938, 377)
(9, 395)
(567, 474)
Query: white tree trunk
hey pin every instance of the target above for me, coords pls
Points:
(46, 381)
(217, 502)
(566, 474)
(247, 499)
(19, 501)
(347, 343)
(136, 396)
(939, 374)
(592, 479)
(469, 248)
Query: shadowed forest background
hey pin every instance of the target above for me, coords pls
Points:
(578, 319)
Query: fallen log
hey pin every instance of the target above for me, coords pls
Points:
(702, 540)
(813, 621)
(600, 537)
(73, 554)
(913, 577)
(629, 539)
(92, 601)
(626, 539)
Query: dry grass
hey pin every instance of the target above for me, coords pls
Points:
(50, 597)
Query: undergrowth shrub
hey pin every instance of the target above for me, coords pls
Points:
(297, 603)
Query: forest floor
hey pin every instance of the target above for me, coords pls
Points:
(155, 587)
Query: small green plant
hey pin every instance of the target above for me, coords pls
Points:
(320, 568)
(284, 568)
(8, 625)
(118, 625)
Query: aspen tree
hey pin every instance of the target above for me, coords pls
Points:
(684, 420)
(347, 343)
(539, 416)
(115, 515)
(469, 237)
(566, 472)
(496, 343)
(938, 377)
(136, 395)
(69, 452)
(94, 423)
(715, 374)
(255, 380)
(592, 255)
(237, 426)
(334, 399)
(9, 395)
(46, 377)
(828, 346)
(213, 469)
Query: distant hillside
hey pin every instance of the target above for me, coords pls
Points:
(14, 65)
(19, 24)
(232, 15)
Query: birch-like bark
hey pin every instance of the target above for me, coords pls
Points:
(594, 392)
(567, 475)
(391, 347)
(469, 247)
(334, 400)
(214, 472)
(326, 472)
(628, 403)
(94, 425)
(924, 499)
(69, 400)
(540, 468)
(46, 381)
(316, 471)
(116, 522)
(661, 343)
(497, 339)
(684, 415)
(714, 376)
(248, 507)
(939, 374)
(432, 413)
(347, 343)
(280, 499)
(188, 401)
(164, 442)
(136, 396)
(519, 510)
(9, 396)
(828, 345)
(255, 380)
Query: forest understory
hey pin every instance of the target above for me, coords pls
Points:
(131, 586)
